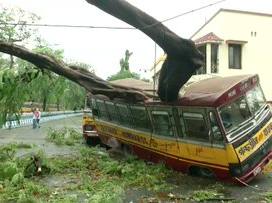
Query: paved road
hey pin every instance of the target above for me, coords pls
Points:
(37, 136)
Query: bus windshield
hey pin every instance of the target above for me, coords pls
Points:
(236, 113)
(255, 99)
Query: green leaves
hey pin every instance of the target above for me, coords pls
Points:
(13, 28)
(13, 93)
(64, 136)
(123, 74)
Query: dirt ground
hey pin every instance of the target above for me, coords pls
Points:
(183, 184)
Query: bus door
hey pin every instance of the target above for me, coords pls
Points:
(164, 134)
(196, 142)
(217, 139)
(215, 131)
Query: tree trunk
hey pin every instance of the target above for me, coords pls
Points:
(58, 104)
(183, 59)
(44, 103)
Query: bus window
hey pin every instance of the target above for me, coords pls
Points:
(195, 126)
(102, 111)
(112, 112)
(179, 124)
(124, 114)
(140, 118)
(162, 123)
(234, 114)
(217, 135)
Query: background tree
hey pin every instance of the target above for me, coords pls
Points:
(13, 79)
(48, 87)
(13, 26)
(74, 96)
(21, 81)
(124, 69)
(13, 93)
(44, 85)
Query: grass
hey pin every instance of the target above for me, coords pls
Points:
(93, 176)
(64, 136)
(204, 195)
(90, 175)
(268, 197)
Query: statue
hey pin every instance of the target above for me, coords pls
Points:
(124, 64)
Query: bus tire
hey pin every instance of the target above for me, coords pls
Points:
(127, 149)
(202, 172)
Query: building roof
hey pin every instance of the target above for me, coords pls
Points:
(231, 11)
(208, 38)
(131, 82)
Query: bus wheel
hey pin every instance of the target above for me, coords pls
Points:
(127, 150)
(206, 173)
(202, 172)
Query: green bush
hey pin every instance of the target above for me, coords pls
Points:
(8, 170)
(17, 179)
(64, 136)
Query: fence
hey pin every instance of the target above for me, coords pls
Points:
(27, 119)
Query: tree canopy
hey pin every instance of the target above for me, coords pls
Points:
(21, 81)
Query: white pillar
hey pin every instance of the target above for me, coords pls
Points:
(208, 58)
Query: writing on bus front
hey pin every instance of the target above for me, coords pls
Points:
(241, 88)
(254, 141)
(267, 131)
(250, 145)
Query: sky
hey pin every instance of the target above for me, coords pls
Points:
(102, 48)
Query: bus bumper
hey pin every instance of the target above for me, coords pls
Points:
(256, 170)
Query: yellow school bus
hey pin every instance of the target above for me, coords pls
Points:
(221, 127)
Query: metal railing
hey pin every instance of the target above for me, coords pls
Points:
(27, 119)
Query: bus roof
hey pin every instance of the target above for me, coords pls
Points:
(216, 91)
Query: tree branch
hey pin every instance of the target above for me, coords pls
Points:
(84, 78)
(183, 59)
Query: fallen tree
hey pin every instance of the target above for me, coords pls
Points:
(182, 57)
(86, 79)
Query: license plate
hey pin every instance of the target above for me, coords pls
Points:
(257, 171)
